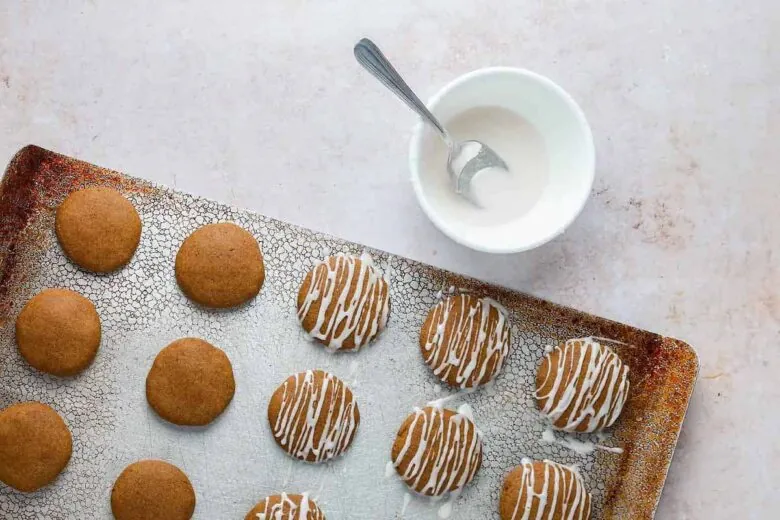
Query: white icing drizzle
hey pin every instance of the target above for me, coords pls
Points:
(602, 376)
(303, 406)
(452, 465)
(341, 315)
(475, 345)
(407, 501)
(575, 445)
(445, 511)
(389, 469)
(288, 508)
(562, 490)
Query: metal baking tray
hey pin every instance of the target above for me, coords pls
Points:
(235, 462)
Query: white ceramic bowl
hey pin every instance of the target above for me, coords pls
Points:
(568, 140)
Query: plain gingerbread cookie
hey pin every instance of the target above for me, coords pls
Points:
(98, 229)
(35, 445)
(58, 332)
(220, 265)
(152, 490)
(190, 383)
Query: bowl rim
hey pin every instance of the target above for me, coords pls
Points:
(415, 144)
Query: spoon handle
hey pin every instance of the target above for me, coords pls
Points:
(372, 59)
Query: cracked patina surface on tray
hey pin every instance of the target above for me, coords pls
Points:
(235, 462)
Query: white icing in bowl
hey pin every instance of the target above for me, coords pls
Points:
(569, 149)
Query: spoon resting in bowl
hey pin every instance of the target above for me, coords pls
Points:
(465, 159)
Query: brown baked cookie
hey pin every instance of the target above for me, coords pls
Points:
(220, 265)
(544, 490)
(58, 332)
(190, 382)
(35, 445)
(357, 297)
(98, 229)
(465, 340)
(313, 416)
(152, 490)
(286, 507)
(437, 451)
(581, 386)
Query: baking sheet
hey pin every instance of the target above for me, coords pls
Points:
(234, 462)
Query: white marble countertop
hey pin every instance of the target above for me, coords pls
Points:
(262, 105)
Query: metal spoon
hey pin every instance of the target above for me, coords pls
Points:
(464, 159)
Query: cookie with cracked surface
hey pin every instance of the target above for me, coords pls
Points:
(190, 383)
(544, 490)
(98, 229)
(286, 507)
(344, 302)
(437, 451)
(581, 386)
(465, 340)
(152, 490)
(35, 445)
(313, 416)
(220, 265)
(58, 332)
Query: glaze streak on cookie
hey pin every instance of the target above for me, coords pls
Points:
(288, 507)
(440, 451)
(345, 317)
(582, 386)
(305, 427)
(471, 350)
(560, 490)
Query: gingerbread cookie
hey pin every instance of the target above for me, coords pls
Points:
(313, 416)
(286, 507)
(190, 382)
(35, 445)
(152, 490)
(98, 229)
(581, 386)
(544, 490)
(437, 451)
(344, 302)
(58, 332)
(220, 265)
(465, 340)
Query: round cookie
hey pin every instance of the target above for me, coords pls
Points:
(545, 491)
(152, 490)
(35, 445)
(581, 386)
(98, 229)
(437, 451)
(313, 416)
(58, 332)
(465, 340)
(220, 265)
(344, 302)
(286, 507)
(190, 382)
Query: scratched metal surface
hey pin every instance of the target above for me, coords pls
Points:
(235, 462)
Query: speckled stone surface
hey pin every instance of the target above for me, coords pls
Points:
(261, 105)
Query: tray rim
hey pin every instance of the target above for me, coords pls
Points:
(7, 268)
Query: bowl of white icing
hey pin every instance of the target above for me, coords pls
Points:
(542, 135)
